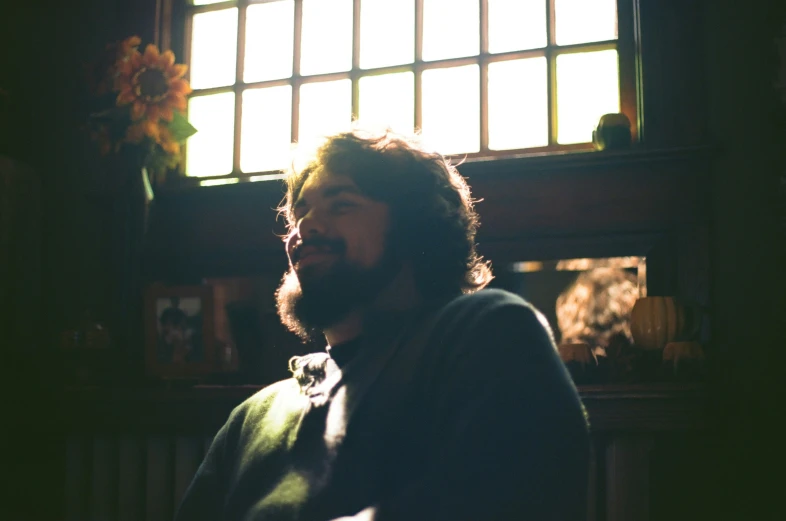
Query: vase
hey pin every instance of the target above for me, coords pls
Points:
(656, 321)
(132, 205)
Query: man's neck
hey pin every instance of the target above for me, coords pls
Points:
(400, 295)
(350, 328)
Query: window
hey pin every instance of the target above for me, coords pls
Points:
(479, 78)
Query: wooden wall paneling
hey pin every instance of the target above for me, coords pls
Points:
(131, 483)
(78, 464)
(160, 478)
(681, 484)
(628, 477)
(188, 456)
(104, 478)
(233, 230)
(674, 86)
(694, 276)
(592, 484)
(662, 267)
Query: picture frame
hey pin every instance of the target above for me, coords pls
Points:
(179, 331)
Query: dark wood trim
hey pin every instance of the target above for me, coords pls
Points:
(629, 72)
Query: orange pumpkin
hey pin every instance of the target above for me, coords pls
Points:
(656, 321)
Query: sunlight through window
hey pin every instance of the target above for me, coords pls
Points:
(325, 108)
(587, 88)
(213, 48)
(265, 133)
(518, 104)
(327, 36)
(269, 26)
(210, 150)
(451, 109)
(583, 21)
(537, 94)
(450, 29)
(387, 33)
(516, 25)
(388, 100)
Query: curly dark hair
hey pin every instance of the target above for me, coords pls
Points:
(433, 221)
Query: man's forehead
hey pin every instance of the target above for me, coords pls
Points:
(324, 183)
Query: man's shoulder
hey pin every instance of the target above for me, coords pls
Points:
(484, 301)
(489, 308)
(282, 396)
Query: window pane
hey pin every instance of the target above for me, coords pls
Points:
(269, 39)
(265, 134)
(518, 104)
(213, 48)
(450, 29)
(207, 2)
(581, 21)
(516, 25)
(587, 88)
(451, 109)
(325, 108)
(387, 33)
(210, 150)
(327, 36)
(388, 100)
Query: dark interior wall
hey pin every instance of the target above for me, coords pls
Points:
(43, 46)
(746, 116)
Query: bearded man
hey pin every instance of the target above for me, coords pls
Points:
(435, 400)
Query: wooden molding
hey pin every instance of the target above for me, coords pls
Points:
(629, 408)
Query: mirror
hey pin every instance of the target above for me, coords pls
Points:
(586, 300)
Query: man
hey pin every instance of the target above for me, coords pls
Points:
(434, 401)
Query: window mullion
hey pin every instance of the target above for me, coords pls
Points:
(355, 75)
(551, 71)
(239, 67)
(418, 68)
(484, 79)
(296, 78)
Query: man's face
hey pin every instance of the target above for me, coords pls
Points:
(338, 254)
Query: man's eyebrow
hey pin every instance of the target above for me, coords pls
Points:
(333, 191)
(330, 191)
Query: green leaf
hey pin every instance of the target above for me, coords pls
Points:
(180, 128)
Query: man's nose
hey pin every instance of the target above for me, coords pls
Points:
(312, 224)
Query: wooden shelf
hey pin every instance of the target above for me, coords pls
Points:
(204, 408)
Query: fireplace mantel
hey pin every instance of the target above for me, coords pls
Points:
(203, 408)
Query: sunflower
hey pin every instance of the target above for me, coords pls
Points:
(102, 72)
(136, 132)
(153, 84)
(167, 142)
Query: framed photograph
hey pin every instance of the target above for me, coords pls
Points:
(179, 331)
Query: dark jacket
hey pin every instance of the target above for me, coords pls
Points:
(461, 412)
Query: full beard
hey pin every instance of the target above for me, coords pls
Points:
(311, 303)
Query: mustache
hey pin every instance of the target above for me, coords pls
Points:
(322, 243)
